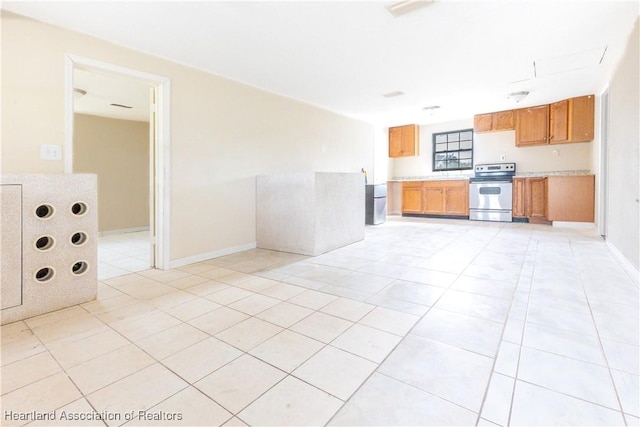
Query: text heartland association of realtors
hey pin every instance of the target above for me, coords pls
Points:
(82, 416)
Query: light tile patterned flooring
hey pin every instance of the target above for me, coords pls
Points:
(425, 322)
(123, 253)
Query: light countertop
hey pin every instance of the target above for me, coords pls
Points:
(449, 177)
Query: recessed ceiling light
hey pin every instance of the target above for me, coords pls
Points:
(407, 6)
(393, 94)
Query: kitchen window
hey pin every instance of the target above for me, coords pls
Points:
(453, 150)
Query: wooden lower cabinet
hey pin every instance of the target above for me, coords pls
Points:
(433, 202)
(571, 198)
(519, 199)
(536, 193)
(530, 198)
(412, 197)
(457, 198)
(449, 197)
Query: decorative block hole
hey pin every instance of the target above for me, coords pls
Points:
(45, 274)
(79, 268)
(79, 238)
(44, 243)
(79, 208)
(44, 211)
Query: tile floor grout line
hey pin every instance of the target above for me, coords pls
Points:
(376, 370)
(595, 325)
(451, 242)
(495, 358)
(524, 328)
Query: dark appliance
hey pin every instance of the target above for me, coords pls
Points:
(375, 204)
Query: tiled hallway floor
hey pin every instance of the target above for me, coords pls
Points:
(423, 323)
(123, 253)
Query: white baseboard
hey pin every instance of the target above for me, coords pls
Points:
(626, 264)
(180, 262)
(123, 231)
(569, 224)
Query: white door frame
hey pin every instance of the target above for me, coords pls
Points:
(162, 141)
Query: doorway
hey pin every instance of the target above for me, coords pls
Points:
(153, 244)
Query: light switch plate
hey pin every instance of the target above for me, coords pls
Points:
(50, 152)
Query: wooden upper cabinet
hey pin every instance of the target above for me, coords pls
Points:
(532, 126)
(581, 118)
(410, 140)
(482, 122)
(403, 141)
(395, 142)
(572, 120)
(503, 120)
(493, 122)
(559, 122)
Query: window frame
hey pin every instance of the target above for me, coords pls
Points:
(458, 150)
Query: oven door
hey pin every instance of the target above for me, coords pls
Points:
(490, 200)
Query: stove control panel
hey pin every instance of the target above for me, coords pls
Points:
(496, 168)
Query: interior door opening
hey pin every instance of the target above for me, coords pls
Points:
(133, 164)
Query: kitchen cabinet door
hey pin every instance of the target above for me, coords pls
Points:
(503, 120)
(559, 122)
(571, 198)
(395, 142)
(493, 122)
(410, 140)
(412, 197)
(482, 123)
(536, 189)
(581, 119)
(519, 199)
(532, 126)
(457, 198)
(572, 120)
(403, 141)
(433, 198)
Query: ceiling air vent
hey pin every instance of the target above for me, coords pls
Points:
(393, 94)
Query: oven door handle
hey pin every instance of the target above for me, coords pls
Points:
(490, 182)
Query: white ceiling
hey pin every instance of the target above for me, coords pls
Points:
(464, 56)
(102, 91)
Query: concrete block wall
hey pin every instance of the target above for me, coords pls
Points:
(48, 243)
(309, 213)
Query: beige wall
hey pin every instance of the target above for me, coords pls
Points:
(623, 213)
(488, 148)
(118, 152)
(223, 133)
